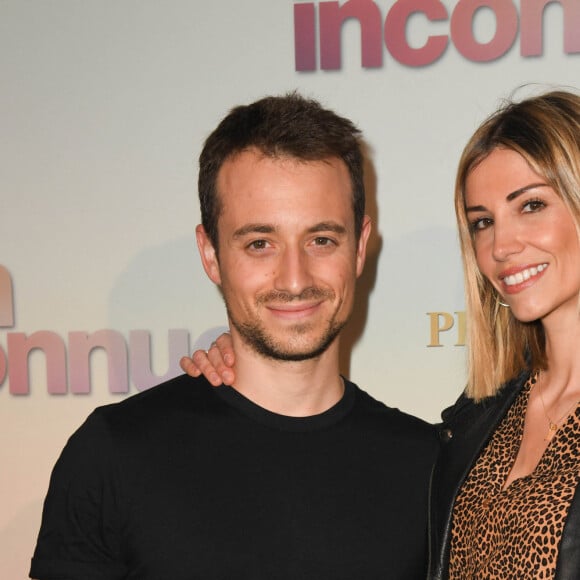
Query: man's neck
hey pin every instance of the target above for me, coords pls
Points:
(291, 388)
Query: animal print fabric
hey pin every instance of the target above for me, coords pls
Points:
(515, 533)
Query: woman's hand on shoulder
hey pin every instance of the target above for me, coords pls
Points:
(215, 364)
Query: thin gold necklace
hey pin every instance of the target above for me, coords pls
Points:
(552, 425)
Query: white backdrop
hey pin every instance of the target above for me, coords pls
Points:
(104, 106)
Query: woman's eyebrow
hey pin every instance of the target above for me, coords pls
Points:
(510, 196)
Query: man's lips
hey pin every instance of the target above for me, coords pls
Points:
(289, 310)
(519, 277)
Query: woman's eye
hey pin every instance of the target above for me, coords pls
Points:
(533, 205)
(480, 224)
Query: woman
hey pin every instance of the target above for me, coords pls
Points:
(505, 490)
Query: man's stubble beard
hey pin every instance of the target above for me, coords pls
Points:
(257, 337)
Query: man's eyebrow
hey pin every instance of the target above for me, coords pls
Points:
(254, 229)
(260, 228)
(327, 227)
(510, 196)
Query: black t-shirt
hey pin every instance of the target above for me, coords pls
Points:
(186, 481)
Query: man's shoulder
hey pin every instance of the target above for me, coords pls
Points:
(183, 387)
(177, 397)
(393, 420)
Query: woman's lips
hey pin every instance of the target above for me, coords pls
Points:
(520, 277)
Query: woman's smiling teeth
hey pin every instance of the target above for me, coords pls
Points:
(524, 275)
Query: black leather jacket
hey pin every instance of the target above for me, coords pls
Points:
(466, 429)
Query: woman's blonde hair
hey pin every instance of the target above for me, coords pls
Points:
(545, 131)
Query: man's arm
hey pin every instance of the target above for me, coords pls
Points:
(79, 538)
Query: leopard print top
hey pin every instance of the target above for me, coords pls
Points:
(515, 533)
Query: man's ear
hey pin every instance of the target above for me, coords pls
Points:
(208, 255)
(361, 253)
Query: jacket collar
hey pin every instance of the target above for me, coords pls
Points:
(466, 429)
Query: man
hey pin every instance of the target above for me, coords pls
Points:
(294, 472)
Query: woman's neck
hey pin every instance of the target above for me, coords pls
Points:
(563, 352)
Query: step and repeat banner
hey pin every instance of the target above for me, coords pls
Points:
(104, 108)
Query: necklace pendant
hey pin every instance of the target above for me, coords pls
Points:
(552, 428)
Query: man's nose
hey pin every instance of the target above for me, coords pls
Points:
(293, 271)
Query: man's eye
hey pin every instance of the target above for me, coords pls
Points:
(258, 245)
(322, 241)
